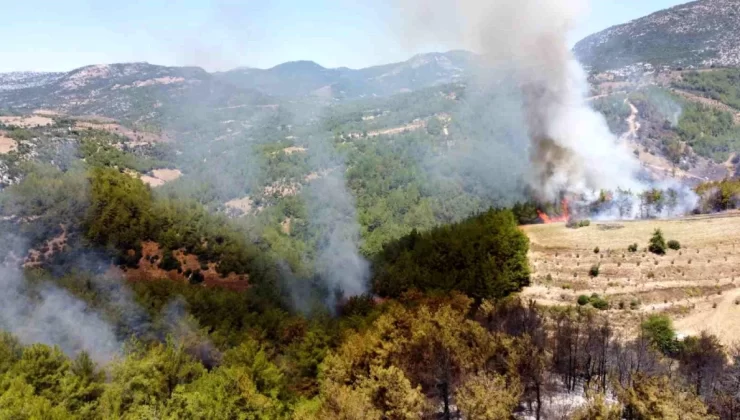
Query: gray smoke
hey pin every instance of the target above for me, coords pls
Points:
(570, 146)
(50, 315)
(332, 213)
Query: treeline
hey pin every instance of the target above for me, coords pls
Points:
(416, 357)
(484, 257)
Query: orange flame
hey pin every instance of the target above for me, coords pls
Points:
(564, 216)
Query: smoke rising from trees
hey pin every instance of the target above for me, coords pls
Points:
(570, 146)
(51, 315)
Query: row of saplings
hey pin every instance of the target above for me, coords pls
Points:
(657, 245)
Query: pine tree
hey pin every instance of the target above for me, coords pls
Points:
(657, 243)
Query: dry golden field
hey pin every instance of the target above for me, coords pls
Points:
(698, 286)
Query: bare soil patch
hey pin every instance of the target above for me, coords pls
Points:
(167, 175)
(294, 149)
(7, 144)
(158, 177)
(240, 206)
(27, 121)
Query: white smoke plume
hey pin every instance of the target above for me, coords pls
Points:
(570, 146)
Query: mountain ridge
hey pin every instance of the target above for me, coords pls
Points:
(292, 78)
(700, 33)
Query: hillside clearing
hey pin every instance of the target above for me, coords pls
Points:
(26, 121)
(7, 144)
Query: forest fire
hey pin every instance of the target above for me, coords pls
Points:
(563, 218)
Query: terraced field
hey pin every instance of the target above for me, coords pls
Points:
(699, 285)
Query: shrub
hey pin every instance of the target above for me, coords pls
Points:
(196, 277)
(659, 330)
(583, 300)
(594, 271)
(657, 243)
(575, 223)
(169, 262)
(596, 250)
(674, 245)
(632, 248)
(599, 303)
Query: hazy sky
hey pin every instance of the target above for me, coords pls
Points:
(58, 35)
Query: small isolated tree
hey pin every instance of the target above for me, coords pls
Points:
(583, 300)
(596, 250)
(658, 329)
(599, 303)
(632, 248)
(657, 243)
(674, 245)
(594, 271)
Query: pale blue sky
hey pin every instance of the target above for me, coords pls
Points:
(59, 35)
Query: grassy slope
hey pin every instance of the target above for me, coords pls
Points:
(686, 284)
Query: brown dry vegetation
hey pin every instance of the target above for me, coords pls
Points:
(698, 285)
(36, 257)
(149, 270)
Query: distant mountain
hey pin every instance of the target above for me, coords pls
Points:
(302, 78)
(141, 92)
(700, 34)
(137, 92)
(26, 79)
